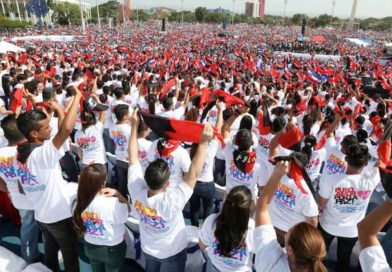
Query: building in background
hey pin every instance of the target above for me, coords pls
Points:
(261, 8)
(255, 8)
(219, 10)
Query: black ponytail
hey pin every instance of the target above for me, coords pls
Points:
(309, 143)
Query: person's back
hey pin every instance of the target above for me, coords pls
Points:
(41, 179)
(159, 206)
(229, 244)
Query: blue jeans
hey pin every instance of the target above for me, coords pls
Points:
(205, 192)
(174, 263)
(28, 236)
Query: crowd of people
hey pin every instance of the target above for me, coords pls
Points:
(301, 146)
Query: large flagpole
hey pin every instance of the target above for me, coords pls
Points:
(99, 18)
(82, 17)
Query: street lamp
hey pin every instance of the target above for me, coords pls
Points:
(82, 17)
(284, 11)
(99, 19)
(333, 11)
(232, 15)
(182, 11)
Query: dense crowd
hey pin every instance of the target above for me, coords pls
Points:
(302, 147)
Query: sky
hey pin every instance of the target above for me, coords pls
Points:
(365, 8)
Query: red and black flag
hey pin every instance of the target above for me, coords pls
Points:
(244, 160)
(297, 170)
(180, 130)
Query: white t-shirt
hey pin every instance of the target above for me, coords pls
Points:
(143, 148)
(207, 172)
(10, 175)
(91, 143)
(314, 165)
(348, 198)
(162, 225)
(120, 134)
(104, 220)
(373, 259)
(290, 206)
(241, 258)
(176, 114)
(335, 160)
(270, 256)
(178, 162)
(234, 176)
(43, 183)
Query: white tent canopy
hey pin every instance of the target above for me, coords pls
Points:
(9, 47)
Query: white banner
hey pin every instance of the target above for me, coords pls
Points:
(50, 38)
(308, 56)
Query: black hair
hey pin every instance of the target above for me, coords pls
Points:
(29, 121)
(360, 120)
(167, 102)
(253, 108)
(357, 155)
(120, 111)
(309, 142)
(103, 98)
(118, 92)
(347, 141)
(10, 128)
(307, 123)
(362, 136)
(157, 173)
(243, 139)
(278, 124)
(246, 123)
(88, 119)
(47, 94)
(21, 77)
(232, 222)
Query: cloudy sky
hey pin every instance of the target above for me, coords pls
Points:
(366, 8)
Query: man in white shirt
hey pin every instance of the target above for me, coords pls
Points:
(41, 178)
(159, 207)
(9, 178)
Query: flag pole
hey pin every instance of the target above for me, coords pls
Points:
(82, 18)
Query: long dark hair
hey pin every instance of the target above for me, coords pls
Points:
(91, 181)
(232, 222)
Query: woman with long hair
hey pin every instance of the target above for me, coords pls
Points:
(305, 247)
(228, 236)
(100, 215)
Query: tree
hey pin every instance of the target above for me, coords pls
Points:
(297, 18)
(201, 13)
(108, 9)
(66, 13)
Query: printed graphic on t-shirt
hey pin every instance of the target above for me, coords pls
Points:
(119, 140)
(149, 217)
(168, 159)
(237, 256)
(7, 168)
(348, 200)
(335, 165)
(238, 175)
(264, 145)
(29, 181)
(311, 167)
(94, 225)
(285, 195)
(86, 142)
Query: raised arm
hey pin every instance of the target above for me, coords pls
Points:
(69, 122)
(200, 156)
(132, 146)
(372, 224)
(262, 214)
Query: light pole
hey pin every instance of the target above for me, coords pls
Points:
(82, 17)
(99, 18)
(17, 8)
(232, 15)
(2, 7)
(182, 11)
(333, 11)
(284, 12)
